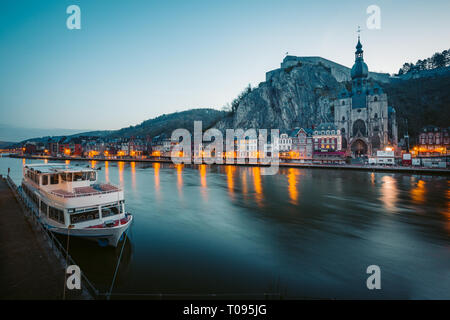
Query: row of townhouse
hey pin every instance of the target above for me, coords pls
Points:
(88, 147)
(320, 144)
(433, 140)
(323, 143)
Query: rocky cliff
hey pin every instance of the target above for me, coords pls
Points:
(299, 95)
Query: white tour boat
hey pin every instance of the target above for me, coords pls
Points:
(69, 200)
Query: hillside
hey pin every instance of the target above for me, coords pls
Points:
(423, 101)
(167, 123)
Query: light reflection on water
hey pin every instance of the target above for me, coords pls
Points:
(133, 175)
(389, 192)
(418, 193)
(292, 181)
(258, 186)
(106, 171)
(304, 233)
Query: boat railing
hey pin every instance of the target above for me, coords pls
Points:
(33, 212)
(82, 194)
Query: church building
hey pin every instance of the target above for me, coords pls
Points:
(362, 114)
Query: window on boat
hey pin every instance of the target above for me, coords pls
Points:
(66, 177)
(54, 179)
(92, 176)
(56, 215)
(84, 216)
(45, 180)
(31, 195)
(33, 176)
(111, 210)
(44, 208)
(79, 176)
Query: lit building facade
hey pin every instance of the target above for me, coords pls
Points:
(362, 114)
(433, 141)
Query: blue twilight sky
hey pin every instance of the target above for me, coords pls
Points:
(133, 60)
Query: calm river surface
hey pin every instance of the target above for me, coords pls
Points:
(304, 233)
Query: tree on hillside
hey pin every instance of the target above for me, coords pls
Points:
(438, 60)
(241, 96)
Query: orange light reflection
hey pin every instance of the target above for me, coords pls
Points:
(389, 192)
(257, 185)
(106, 171)
(292, 185)
(121, 166)
(418, 193)
(133, 175)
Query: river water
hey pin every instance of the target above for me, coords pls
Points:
(303, 233)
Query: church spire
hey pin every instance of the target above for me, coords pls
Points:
(359, 69)
(359, 51)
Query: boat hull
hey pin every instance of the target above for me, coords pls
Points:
(104, 236)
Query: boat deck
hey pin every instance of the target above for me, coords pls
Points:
(86, 191)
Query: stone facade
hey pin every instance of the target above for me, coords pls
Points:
(433, 141)
(327, 138)
(363, 116)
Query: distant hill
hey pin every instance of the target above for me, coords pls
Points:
(16, 134)
(4, 144)
(100, 133)
(167, 123)
(163, 124)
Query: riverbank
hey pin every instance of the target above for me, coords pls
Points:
(30, 269)
(371, 168)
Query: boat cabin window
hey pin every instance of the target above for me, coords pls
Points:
(44, 208)
(56, 215)
(111, 210)
(84, 216)
(45, 180)
(83, 176)
(31, 195)
(33, 176)
(92, 176)
(79, 176)
(54, 179)
(66, 177)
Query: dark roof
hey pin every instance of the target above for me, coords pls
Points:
(326, 126)
(430, 128)
(360, 69)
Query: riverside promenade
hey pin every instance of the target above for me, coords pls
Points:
(371, 168)
(29, 269)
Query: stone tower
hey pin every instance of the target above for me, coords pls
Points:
(362, 114)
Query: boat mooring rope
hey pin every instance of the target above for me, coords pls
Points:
(108, 296)
(67, 259)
